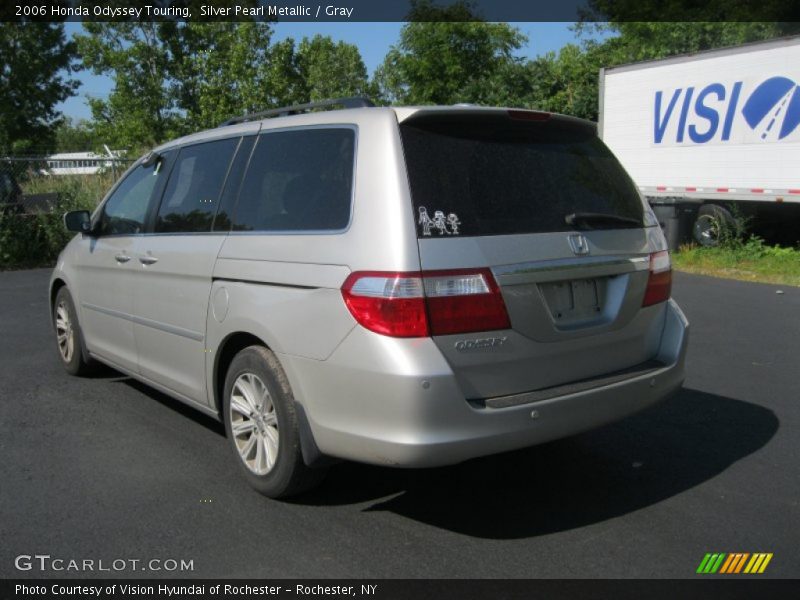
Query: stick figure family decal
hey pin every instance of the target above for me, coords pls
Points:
(445, 225)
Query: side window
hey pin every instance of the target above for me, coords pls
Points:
(190, 198)
(298, 180)
(125, 212)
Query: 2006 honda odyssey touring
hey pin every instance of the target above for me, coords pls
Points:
(408, 286)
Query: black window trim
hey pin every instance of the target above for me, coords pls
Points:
(275, 232)
(239, 183)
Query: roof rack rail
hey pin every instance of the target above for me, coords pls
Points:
(285, 111)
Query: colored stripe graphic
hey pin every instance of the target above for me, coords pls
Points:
(731, 563)
(754, 563)
(741, 562)
(711, 563)
(738, 562)
(734, 563)
(703, 563)
(717, 564)
(758, 563)
(727, 564)
(765, 563)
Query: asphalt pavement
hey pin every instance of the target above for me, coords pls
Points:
(107, 469)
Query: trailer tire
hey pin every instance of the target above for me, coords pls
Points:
(711, 221)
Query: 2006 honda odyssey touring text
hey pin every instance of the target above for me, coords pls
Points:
(408, 286)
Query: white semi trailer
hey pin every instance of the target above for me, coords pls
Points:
(709, 135)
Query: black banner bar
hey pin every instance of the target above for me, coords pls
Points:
(398, 10)
(377, 589)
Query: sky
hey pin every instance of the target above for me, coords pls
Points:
(373, 41)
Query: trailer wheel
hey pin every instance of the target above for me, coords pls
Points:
(711, 222)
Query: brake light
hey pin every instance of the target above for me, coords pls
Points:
(427, 303)
(388, 303)
(659, 282)
(464, 301)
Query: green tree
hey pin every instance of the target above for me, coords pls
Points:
(332, 70)
(35, 66)
(141, 110)
(445, 62)
(572, 75)
(637, 41)
(172, 78)
(74, 136)
(218, 70)
(285, 84)
(567, 82)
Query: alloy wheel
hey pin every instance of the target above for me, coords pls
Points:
(64, 332)
(254, 423)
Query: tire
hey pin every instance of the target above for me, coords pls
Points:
(267, 448)
(710, 222)
(69, 337)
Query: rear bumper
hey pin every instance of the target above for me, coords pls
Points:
(396, 402)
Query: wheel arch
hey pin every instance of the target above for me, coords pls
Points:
(230, 346)
(55, 287)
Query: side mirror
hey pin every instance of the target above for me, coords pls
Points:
(78, 220)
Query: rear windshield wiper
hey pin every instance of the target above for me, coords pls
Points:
(586, 220)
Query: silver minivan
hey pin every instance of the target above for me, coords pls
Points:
(408, 287)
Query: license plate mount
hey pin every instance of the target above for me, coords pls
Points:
(573, 300)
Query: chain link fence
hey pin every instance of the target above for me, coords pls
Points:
(34, 194)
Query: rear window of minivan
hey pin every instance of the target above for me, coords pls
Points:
(478, 175)
(298, 180)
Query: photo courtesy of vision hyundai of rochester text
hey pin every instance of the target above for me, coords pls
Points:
(405, 286)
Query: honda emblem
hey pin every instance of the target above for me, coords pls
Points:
(578, 243)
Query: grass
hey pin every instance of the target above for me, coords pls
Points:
(751, 260)
(34, 240)
(84, 190)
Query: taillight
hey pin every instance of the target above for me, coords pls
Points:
(427, 303)
(464, 301)
(388, 303)
(659, 282)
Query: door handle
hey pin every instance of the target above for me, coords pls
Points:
(148, 260)
(122, 258)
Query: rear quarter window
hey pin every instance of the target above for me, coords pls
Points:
(298, 180)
